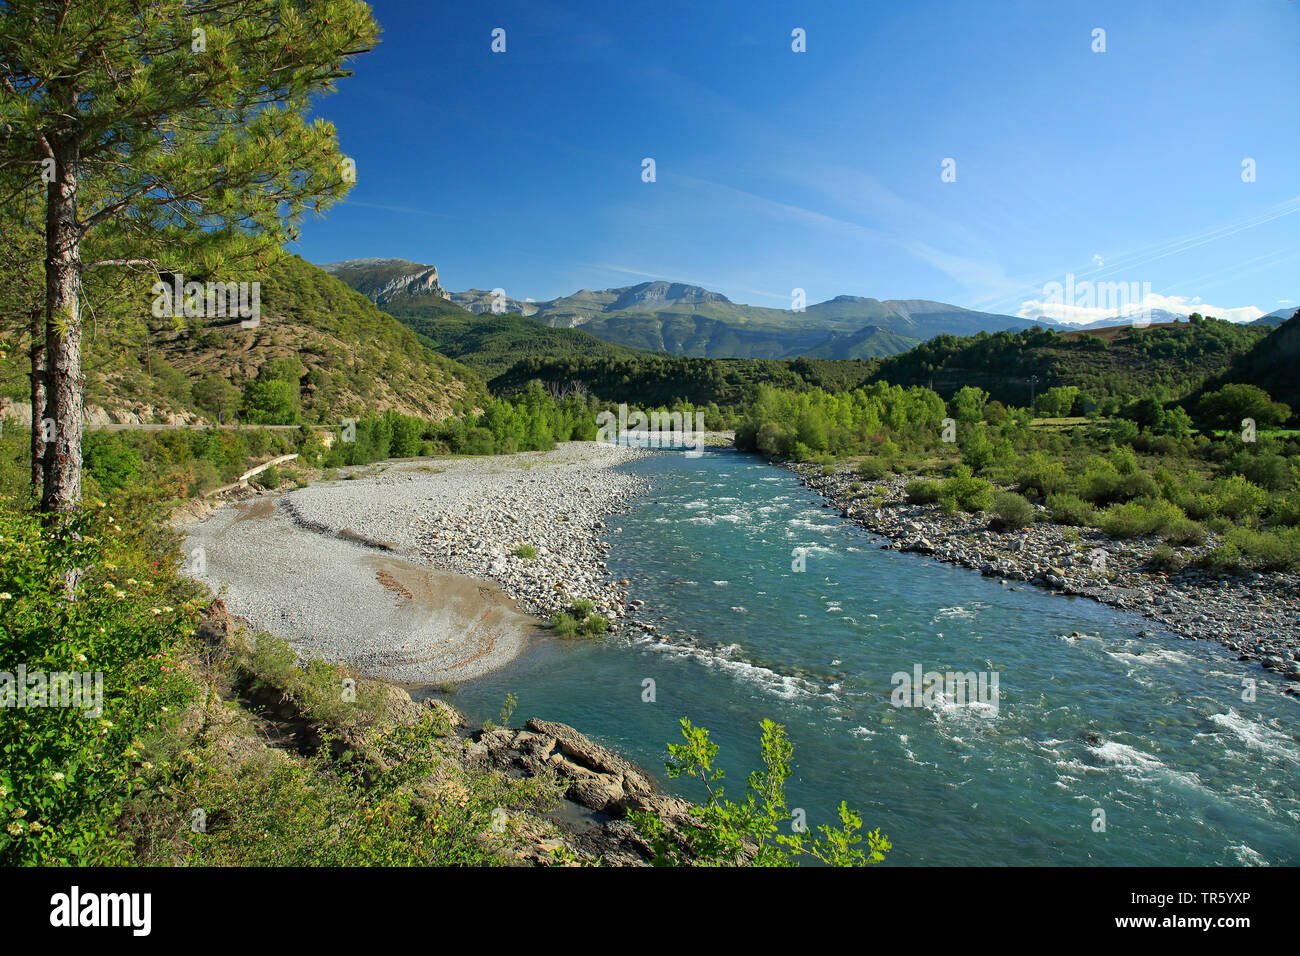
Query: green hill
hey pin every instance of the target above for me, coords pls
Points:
(490, 343)
(1272, 364)
(1166, 361)
(354, 358)
(664, 379)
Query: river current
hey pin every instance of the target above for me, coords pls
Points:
(1106, 748)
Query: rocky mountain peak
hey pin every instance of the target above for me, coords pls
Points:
(649, 294)
(385, 280)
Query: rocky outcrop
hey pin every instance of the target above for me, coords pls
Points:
(600, 787)
(590, 776)
(593, 776)
(96, 416)
(386, 280)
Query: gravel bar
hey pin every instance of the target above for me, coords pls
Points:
(407, 570)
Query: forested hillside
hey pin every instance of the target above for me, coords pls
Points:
(320, 351)
(490, 343)
(1273, 364)
(664, 379)
(1164, 362)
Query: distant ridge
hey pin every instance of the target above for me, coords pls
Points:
(691, 321)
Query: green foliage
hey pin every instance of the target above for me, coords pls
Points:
(1267, 550)
(564, 625)
(215, 395)
(271, 402)
(269, 478)
(1164, 558)
(330, 808)
(1236, 401)
(183, 462)
(750, 832)
(579, 618)
(968, 404)
(977, 450)
(1164, 362)
(1041, 476)
(1012, 510)
(921, 492)
(1146, 413)
(492, 344)
(965, 492)
(1057, 402)
(67, 772)
(661, 380)
(1070, 509)
(879, 419)
(525, 551)
(1146, 516)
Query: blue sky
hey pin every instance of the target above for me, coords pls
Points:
(821, 170)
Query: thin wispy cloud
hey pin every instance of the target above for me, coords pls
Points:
(1124, 264)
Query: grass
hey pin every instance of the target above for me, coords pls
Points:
(525, 551)
(578, 618)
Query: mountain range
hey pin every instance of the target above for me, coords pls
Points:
(675, 318)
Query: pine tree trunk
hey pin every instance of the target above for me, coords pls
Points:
(37, 353)
(64, 379)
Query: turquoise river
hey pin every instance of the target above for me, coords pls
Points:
(1151, 731)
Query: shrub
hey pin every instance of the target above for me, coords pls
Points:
(1238, 497)
(1012, 510)
(1127, 520)
(565, 625)
(1125, 460)
(269, 479)
(1137, 484)
(1066, 508)
(1268, 550)
(525, 551)
(1285, 509)
(967, 492)
(754, 830)
(1164, 558)
(1222, 560)
(1040, 476)
(1266, 469)
(594, 625)
(1200, 506)
(66, 772)
(977, 450)
(1183, 531)
(871, 469)
(1145, 516)
(921, 492)
(1099, 481)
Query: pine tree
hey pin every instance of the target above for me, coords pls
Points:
(172, 133)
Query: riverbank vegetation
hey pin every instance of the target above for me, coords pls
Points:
(1151, 469)
(760, 830)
